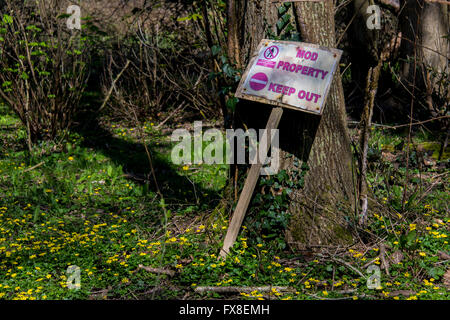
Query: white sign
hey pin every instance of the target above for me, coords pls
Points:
(290, 74)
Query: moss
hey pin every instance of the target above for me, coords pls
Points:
(342, 234)
(321, 231)
(298, 231)
(435, 147)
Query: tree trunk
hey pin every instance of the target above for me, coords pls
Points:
(248, 22)
(318, 209)
(430, 24)
(435, 53)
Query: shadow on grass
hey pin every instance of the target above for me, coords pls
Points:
(132, 157)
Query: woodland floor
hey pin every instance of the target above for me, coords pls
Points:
(88, 201)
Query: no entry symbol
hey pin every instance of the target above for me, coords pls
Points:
(271, 52)
(258, 81)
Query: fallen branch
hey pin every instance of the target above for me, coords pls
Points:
(112, 86)
(443, 255)
(439, 1)
(424, 194)
(340, 298)
(350, 291)
(370, 262)
(405, 293)
(170, 273)
(34, 167)
(355, 123)
(242, 289)
(384, 263)
(181, 107)
(392, 3)
(348, 265)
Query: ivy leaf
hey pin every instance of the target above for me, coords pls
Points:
(228, 70)
(231, 103)
(216, 50)
(282, 10)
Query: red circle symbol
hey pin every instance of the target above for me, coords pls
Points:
(271, 52)
(258, 81)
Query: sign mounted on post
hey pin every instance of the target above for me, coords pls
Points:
(287, 74)
(290, 74)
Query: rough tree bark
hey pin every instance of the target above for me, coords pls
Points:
(430, 24)
(248, 22)
(319, 208)
(328, 196)
(435, 55)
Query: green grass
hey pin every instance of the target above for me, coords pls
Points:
(90, 202)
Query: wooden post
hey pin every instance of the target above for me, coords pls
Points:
(249, 187)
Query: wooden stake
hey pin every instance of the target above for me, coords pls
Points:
(249, 187)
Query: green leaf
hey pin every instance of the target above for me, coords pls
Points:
(280, 25)
(33, 28)
(196, 16)
(282, 10)
(231, 103)
(109, 170)
(436, 272)
(24, 76)
(215, 50)
(36, 214)
(228, 70)
(7, 19)
(183, 19)
(411, 238)
(63, 16)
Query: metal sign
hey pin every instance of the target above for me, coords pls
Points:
(290, 74)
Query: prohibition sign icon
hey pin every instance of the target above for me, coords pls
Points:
(258, 81)
(271, 52)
